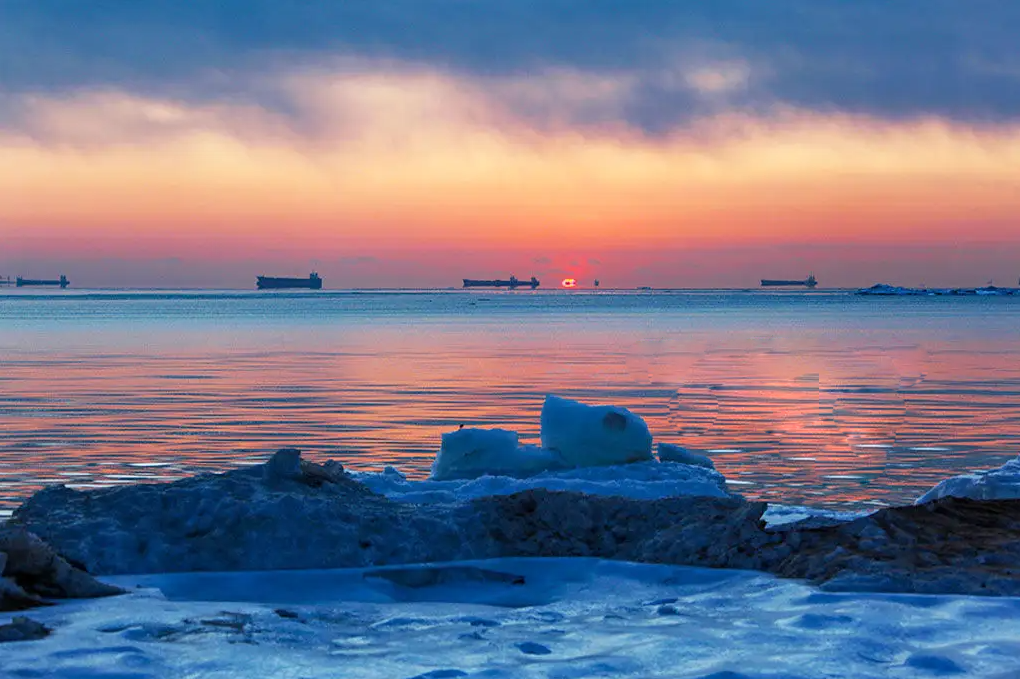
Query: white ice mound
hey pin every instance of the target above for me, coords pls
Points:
(594, 436)
(1002, 483)
(669, 452)
(470, 453)
(640, 481)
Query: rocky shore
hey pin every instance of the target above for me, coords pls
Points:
(293, 514)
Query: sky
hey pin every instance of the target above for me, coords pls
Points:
(416, 142)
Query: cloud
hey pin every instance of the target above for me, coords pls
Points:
(655, 65)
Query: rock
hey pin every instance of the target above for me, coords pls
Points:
(14, 598)
(285, 514)
(284, 465)
(32, 570)
(950, 545)
(317, 517)
(23, 629)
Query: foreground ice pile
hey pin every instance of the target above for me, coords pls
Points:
(598, 450)
(559, 618)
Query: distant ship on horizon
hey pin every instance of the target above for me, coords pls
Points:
(313, 282)
(512, 283)
(808, 282)
(20, 282)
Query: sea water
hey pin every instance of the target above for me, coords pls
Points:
(808, 397)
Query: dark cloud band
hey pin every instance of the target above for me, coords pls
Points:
(909, 58)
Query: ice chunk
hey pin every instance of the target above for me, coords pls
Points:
(669, 452)
(593, 436)
(1002, 483)
(471, 453)
(640, 481)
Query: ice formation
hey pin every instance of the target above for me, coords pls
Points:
(638, 481)
(588, 436)
(470, 453)
(1002, 483)
(595, 618)
(669, 452)
(574, 435)
(883, 289)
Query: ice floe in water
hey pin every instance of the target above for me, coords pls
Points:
(553, 618)
(573, 435)
(599, 450)
(1001, 483)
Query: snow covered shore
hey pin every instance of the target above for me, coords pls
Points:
(568, 618)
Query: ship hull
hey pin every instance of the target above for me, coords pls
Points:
(29, 282)
(512, 283)
(274, 283)
(765, 283)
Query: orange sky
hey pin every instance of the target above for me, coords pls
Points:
(421, 169)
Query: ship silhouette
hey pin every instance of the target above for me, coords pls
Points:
(808, 282)
(512, 283)
(313, 282)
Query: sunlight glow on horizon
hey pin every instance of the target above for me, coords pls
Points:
(387, 161)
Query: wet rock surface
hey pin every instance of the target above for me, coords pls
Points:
(950, 545)
(294, 514)
(31, 571)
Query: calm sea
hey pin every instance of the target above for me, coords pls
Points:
(818, 398)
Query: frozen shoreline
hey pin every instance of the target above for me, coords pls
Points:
(569, 613)
(292, 514)
(570, 618)
(630, 570)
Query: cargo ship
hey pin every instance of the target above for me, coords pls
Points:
(808, 282)
(512, 283)
(313, 282)
(20, 282)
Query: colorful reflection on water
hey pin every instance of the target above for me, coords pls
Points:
(819, 398)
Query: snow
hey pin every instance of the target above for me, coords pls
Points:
(470, 453)
(1002, 483)
(784, 515)
(639, 481)
(570, 618)
(589, 436)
